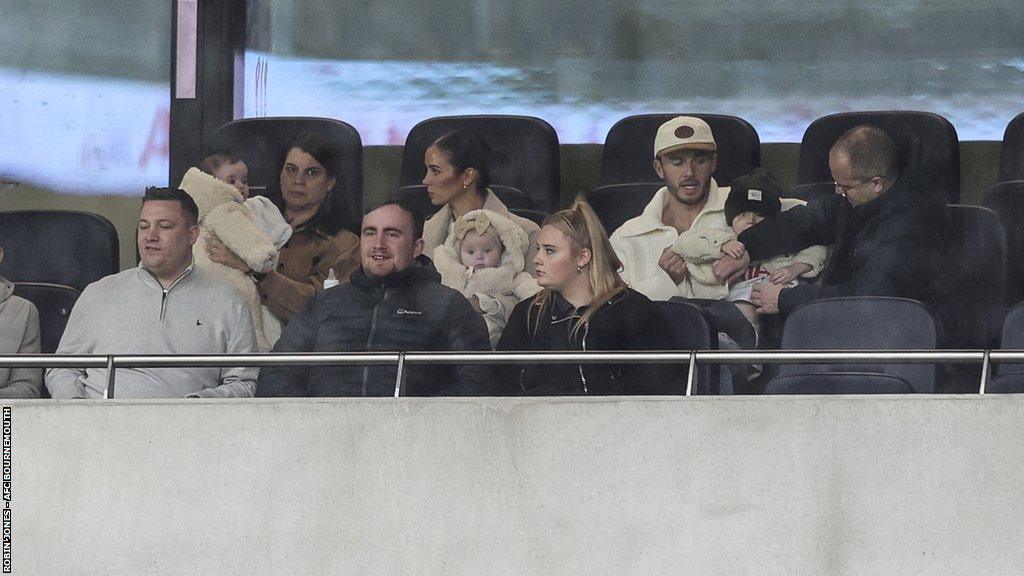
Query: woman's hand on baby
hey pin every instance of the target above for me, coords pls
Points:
(787, 274)
(221, 254)
(734, 248)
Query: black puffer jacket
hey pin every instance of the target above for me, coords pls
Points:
(407, 311)
(891, 246)
(628, 321)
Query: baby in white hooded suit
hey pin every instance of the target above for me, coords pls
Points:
(484, 258)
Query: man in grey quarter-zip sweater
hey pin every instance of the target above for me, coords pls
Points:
(394, 302)
(166, 305)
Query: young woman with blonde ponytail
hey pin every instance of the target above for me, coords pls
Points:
(584, 305)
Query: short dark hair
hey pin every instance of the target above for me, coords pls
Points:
(188, 205)
(408, 207)
(870, 150)
(468, 149)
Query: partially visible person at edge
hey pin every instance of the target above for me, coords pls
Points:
(166, 305)
(685, 157)
(19, 334)
(394, 302)
(457, 179)
(886, 239)
(584, 305)
(309, 202)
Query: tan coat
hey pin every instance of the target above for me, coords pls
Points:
(303, 265)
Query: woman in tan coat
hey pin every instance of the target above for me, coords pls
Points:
(310, 204)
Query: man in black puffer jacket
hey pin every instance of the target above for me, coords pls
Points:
(394, 302)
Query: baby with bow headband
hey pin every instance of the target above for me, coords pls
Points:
(484, 258)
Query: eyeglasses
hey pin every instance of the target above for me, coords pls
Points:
(843, 190)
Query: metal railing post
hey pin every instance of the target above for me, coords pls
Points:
(400, 375)
(691, 374)
(985, 361)
(109, 392)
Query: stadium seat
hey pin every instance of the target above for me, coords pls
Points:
(1011, 153)
(57, 247)
(512, 198)
(1009, 378)
(629, 148)
(927, 145)
(54, 303)
(262, 143)
(536, 216)
(616, 203)
(812, 190)
(972, 283)
(1006, 199)
(692, 330)
(862, 323)
(839, 383)
(526, 150)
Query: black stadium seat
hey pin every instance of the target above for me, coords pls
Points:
(812, 190)
(1009, 378)
(629, 148)
(972, 290)
(526, 150)
(1006, 199)
(927, 144)
(262, 143)
(692, 330)
(862, 323)
(54, 303)
(536, 216)
(512, 198)
(616, 203)
(1011, 153)
(57, 247)
(839, 383)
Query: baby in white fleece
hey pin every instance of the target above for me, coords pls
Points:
(232, 170)
(484, 258)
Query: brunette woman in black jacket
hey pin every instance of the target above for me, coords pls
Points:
(585, 305)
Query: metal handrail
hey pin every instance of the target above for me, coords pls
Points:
(402, 359)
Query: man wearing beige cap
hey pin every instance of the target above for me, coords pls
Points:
(684, 158)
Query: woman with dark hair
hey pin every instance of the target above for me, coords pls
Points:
(308, 200)
(584, 305)
(457, 179)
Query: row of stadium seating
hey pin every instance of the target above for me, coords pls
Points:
(530, 150)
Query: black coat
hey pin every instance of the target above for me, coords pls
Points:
(628, 321)
(891, 246)
(407, 311)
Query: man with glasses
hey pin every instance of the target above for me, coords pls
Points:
(886, 240)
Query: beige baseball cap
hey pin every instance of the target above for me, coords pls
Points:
(683, 132)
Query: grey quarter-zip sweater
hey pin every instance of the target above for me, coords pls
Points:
(131, 313)
(19, 334)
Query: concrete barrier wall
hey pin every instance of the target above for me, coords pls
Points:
(830, 485)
